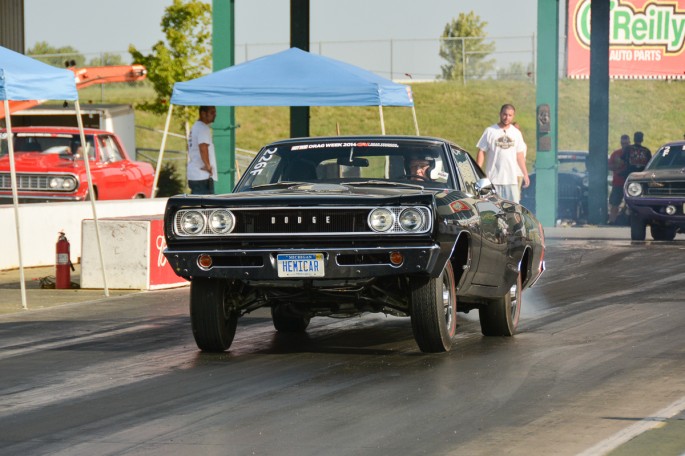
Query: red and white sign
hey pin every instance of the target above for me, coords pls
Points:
(161, 273)
(646, 39)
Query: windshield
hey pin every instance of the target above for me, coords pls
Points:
(379, 163)
(570, 162)
(668, 157)
(65, 144)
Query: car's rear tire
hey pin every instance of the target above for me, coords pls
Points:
(434, 311)
(285, 320)
(638, 228)
(213, 323)
(500, 317)
(663, 233)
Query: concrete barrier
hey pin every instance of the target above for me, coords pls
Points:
(132, 249)
(41, 223)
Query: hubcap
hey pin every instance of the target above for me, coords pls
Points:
(515, 295)
(447, 304)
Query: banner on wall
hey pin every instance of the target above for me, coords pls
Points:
(646, 39)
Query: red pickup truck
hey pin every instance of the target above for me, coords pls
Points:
(50, 166)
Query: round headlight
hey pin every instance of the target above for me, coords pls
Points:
(192, 222)
(55, 182)
(221, 221)
(411, 219)
(381, 219)
(634, 189)
(69, 183)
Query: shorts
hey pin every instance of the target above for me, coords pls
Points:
(201, 187)
(509, 192)
(616, 196)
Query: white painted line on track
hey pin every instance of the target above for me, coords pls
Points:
(644, 425)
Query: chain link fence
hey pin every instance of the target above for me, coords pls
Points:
(510, 57)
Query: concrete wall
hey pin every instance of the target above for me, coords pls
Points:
(41, 223)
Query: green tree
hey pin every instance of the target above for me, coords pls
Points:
(464, 48)
(56, 56)
(185, 55)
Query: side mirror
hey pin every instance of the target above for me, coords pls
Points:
(484, 187)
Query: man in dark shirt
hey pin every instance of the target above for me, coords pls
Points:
(636, 155)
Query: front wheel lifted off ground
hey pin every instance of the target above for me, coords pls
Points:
(434, 311)
(213, 322)
(500, 317)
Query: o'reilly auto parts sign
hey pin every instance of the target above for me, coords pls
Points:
(646, 39)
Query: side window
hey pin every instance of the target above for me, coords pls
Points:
(109, 152)
(263, 169)
(467, 171)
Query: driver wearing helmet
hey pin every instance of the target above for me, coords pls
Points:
(419, 167)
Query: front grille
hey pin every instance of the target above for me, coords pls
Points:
(301, 221)
(568, 187)
(306, 220)
(31, 182)
(676, 188)
(25, 182)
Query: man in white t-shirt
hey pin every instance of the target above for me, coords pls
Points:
(201, 170)
(502, 150)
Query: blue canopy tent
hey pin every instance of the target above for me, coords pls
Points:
(23, 78)
(291, 78)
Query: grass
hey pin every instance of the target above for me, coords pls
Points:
(445, 109)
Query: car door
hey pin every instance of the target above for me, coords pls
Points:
(492, 230)
(115, 174)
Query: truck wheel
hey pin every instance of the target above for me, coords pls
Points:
(663, 233)
(638, 228)
(500, 317)
(286, 321)
(434, 311)
(213, 323)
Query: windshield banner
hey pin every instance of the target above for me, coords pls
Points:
(645, 39)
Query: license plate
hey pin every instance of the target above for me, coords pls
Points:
(300, 265)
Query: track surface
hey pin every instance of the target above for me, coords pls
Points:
(601, 348)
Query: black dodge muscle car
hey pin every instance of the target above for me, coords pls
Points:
(341, 226)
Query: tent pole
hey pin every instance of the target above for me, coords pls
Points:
(91, 192)
(416, 123)
(161, 151)
(15, 201)
(380, 110)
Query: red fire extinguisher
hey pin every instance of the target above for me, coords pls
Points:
(63, 266)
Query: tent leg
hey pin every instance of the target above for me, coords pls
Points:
(416, 123)
(15, 201)
(91, 192)
(380, 111)
(161, 151)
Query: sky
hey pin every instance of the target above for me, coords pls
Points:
(110, 26)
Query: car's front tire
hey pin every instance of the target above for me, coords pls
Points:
(213, 323)
(638, 228)
(500, 317)
(434, 311)
(663, 233)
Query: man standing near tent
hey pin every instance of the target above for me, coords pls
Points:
(201, 171)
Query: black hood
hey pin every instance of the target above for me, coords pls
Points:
(313, 194)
